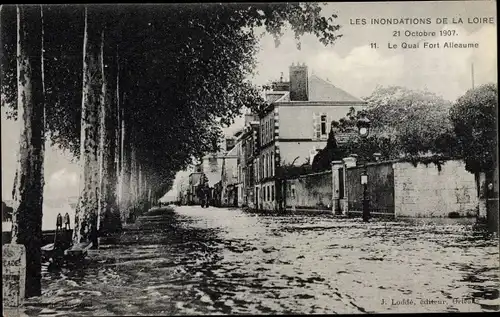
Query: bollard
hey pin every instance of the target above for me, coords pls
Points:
(14, 274)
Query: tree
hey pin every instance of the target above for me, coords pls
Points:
(331, 152)
(109, 216)
(404, 124)
(86, 211)
(416, 121)
(27, 214)
(475, 125)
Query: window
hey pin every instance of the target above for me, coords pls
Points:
(316, 126)
(266, 138)
(272, 192)
(262, 167)
(256, 170)
(271, 166)
(293, 191)
(265, 165)
(268, 194)
(269, 132)
(323, 125)
(265, 132)
(271, 121)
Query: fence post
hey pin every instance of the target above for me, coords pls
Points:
(14, 274)
(349, 161)
(336, 166)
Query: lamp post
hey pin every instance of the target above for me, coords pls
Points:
(364, 129)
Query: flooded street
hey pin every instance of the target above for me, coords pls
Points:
(226, 261)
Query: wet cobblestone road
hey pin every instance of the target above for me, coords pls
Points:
(225, 261)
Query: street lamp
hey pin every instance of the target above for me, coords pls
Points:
(364, 129)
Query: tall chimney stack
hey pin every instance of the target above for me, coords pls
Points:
(299, 88)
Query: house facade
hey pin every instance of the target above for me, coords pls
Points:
(229, 176)
(293, 126)
(250, 151)
(194, 181)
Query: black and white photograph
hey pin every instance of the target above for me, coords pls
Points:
(266, 158)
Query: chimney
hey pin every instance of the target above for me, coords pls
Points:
(299, 88)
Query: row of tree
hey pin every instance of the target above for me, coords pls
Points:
(153, 88)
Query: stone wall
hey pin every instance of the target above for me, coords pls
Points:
(427, 191)
(313, 191)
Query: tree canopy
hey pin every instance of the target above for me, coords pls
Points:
(183, 69)
(404, 123)
(474, 118)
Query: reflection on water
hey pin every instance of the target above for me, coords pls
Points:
(204, 261)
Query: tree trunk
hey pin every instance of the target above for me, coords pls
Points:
(124, 168)
(133, 182)
(86, 211)
(118, 131)
(109, 218)
(27, 214)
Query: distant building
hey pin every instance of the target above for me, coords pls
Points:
(211, 171)
(191, 192)
(229, 176)
(250, 151)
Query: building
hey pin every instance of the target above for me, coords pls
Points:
(191, 192)
(211, 170)
(229, 176)
(293, 126)
(250, 146)
(182, 190)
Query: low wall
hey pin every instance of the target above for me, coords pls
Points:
(380, 188)
(427, 191)
(312, 191)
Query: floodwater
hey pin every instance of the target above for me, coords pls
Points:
(226, 261)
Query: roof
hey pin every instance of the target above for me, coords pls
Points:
(233, 152)
(272, 96)
(322, 90)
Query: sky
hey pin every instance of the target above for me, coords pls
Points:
(351, 64)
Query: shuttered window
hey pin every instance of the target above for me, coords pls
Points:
(267, 132)
(262, 133)
(268, 169)
(271, 165)
(316, 126)
(256, 170)
(265, 166)
(272, 128)
(324, 130)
